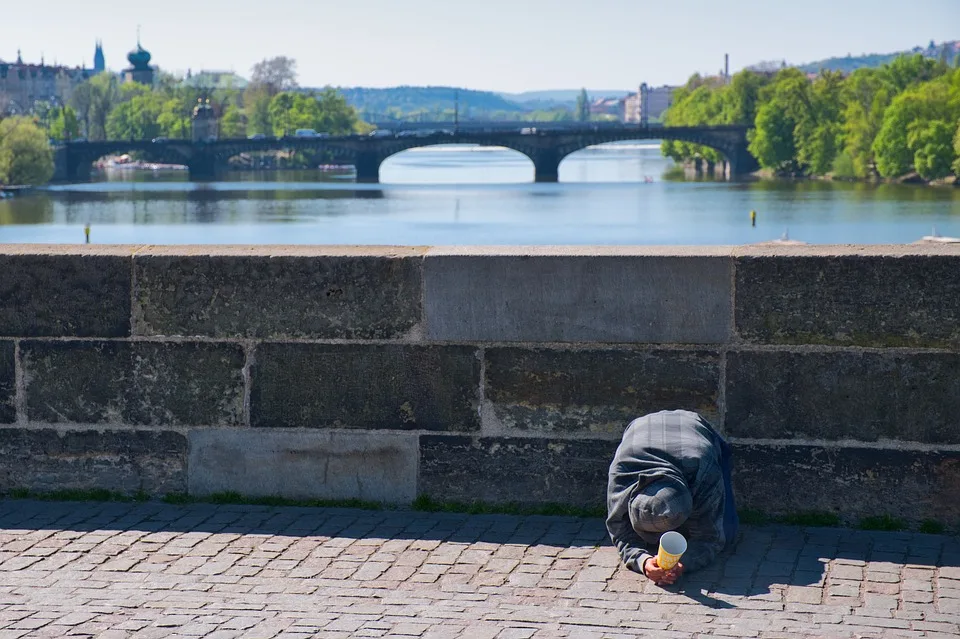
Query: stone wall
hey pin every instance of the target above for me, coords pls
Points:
(493, 374)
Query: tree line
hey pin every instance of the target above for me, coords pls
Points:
(103, 108)
(887, 122)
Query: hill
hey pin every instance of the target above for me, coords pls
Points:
(850, 63)
(560, 97)
(427, 100)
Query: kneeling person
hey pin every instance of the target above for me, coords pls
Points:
(671, 472)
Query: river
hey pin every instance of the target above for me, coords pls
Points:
(616, 194)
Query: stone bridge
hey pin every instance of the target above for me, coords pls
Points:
(546, 148)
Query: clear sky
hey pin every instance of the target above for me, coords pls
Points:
(501, 45)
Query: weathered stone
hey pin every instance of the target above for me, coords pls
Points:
(306, 464)
(46, 292)
(515, 470)
(869, 300)
(141, 383)
(851, 482)
(365, 386)
(352, 294)
(839, 395)
(8, 409)
(124, 461)
(531, 295)
(597, 391)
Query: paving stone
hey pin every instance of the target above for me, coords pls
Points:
(455, 576)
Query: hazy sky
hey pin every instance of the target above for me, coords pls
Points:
(502, 45)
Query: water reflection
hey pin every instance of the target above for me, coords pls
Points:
(433, 196)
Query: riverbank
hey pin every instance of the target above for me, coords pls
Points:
(12, 190)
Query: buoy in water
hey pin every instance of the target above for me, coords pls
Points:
(753, 218)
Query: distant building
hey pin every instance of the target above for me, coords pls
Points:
(607, 106)
(99, 62)
(206, 126)
(23, 85)
(139, 69)
(647, 103)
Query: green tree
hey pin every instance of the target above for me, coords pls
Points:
(583, 106)
(867, 94)
(906, 71)
(100, 99)
(231, 123)
(174, 119)
(281, 114)
(64, 124)
(819, 123)
(25, 154)
(956, 151)
(906, 123)
(771, 142)
(933, 149)
(741, 98)
(137, 118)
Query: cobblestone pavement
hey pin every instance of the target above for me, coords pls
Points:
(155, 570)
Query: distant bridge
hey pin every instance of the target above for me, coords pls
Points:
(546, 147)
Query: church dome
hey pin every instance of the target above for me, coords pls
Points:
(139, 57)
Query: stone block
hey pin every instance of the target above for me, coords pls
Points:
(868, 300)
(578, 296)
(125, 461)
(599, 391)
(138, 383)
(70, 294)
(368, 293)
(851, 482)
(515, 470)
(304, 464)
(365, 386)
(8, 392)
(844, 395)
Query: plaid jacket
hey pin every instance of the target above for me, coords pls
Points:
(683, 446)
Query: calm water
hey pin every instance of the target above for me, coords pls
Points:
(447, 195)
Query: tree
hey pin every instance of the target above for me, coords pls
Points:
(231, 123)
(257, 107)
(819, 123)
(64, 124)
(771, 142)
(94, 100)
(25, 155)
(956, 150)
(82, 100)
(905, 124)
(174, 119)
(137, 118)
(741, 98)
(275, 74)
(934, 153)
(281, 113)
(583, 106)
(867, 94)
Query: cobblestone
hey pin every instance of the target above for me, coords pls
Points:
(158, 570)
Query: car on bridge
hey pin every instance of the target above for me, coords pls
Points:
(160, 140)
(381, 133)
(257, 136)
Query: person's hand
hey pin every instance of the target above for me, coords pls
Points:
(658, 575)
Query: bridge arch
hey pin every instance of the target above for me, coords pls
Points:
(511, 166)
(74, 161)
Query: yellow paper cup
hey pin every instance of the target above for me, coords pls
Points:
(672, 547)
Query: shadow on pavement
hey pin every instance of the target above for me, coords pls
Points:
(764, 559)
